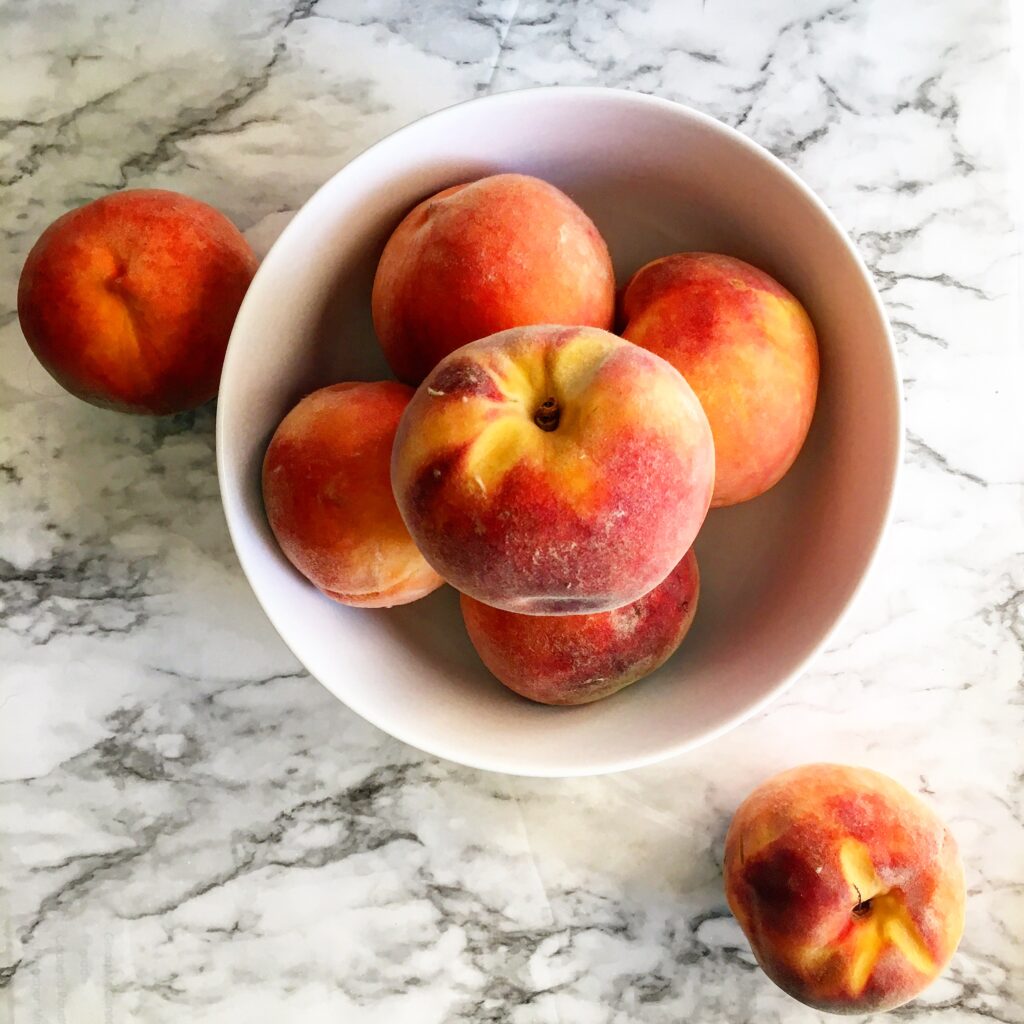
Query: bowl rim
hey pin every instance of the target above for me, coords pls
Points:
(233, 505)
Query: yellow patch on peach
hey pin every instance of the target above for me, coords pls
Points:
(887, 922)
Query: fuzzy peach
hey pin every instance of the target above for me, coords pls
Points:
(849, 888)
(328, 497)
(505, 251)
(129, 301)
(747, 348)
(576, 659)
(553, 470)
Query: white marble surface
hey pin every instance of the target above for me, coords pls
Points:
(193, 829)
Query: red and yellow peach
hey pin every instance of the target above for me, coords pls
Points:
(848, 887)
(553, 470)
(576, 659)
(505, 251)
(129, 301)
(327, 493)
(747, 348)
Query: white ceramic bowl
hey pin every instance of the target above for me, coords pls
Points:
(776, 573)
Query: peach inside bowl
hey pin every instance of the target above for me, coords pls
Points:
(777, 572)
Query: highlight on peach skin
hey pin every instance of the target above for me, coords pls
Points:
(576, 659)
(505, 251)
(553, 470)
(129, 301)
(849, 888)
(328, 497)
(748, 349)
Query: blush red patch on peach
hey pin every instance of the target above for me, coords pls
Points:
(576, 547)
(574, 659)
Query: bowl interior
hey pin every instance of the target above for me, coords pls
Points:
(776, 572)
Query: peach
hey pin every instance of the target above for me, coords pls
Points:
(576, 659)
(504, 251)
(128, 301)
(328, 497)
(848, 887)
(747, 348)
(553, 470)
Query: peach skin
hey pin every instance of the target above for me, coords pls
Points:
(576, 659)
(505, 251)
(129, 301)
(553, 470)
(747, 348)
(848, 887)
(328, 496)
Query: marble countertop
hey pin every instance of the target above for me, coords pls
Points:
(193, 829)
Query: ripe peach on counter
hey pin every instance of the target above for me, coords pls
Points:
(328, 496)
(747, 348)
(505, 251)
(129, 301)
(553, 470)
(848, 887)
(576, 659)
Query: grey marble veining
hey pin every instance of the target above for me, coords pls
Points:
(193, 829)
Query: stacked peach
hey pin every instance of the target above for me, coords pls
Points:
(530, 481)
